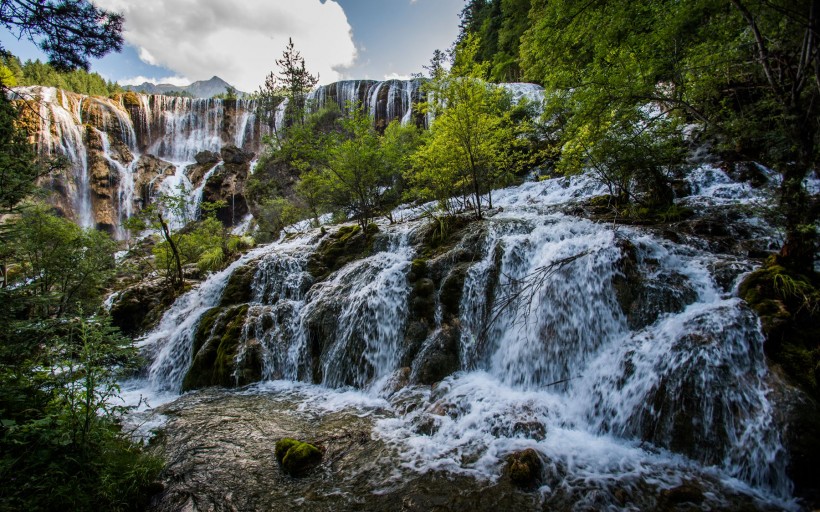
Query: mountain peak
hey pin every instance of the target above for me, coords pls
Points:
(199, 89)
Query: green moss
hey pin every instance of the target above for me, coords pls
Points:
(297, 457)
(282, 447)
(216, 346)
(788, 305)
(443, 233)
(238, 289)
(347, 244)
(452, 287)
(524, 468)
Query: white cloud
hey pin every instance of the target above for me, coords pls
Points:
(146, 57)
(396, 76)
(237, 41)
(139, 80)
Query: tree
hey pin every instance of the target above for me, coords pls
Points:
(56, 266)
(69, 31)
(359, 169)
(293, 83)
(466, 151)
(747, 71)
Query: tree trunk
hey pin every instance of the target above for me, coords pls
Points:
(179, 279)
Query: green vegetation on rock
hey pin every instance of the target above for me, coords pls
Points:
(217, 344)
(789, 308)
(348, 243)
(297, 457)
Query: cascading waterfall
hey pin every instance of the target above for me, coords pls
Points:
(549, 358)
(395, 100)
(132, 126)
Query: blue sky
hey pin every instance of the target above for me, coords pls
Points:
(180, 41)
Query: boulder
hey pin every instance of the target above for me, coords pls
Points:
(297, 458)
(439, 357)
(234, 155)
(348, 243)
(222, 357)
(139, 307)
(524, 468)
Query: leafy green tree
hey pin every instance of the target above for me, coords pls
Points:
(745, 70)
(360, 170)
(56, 266)
(498, 26)
(467, 150)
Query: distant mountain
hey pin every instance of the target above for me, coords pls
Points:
(199, 89)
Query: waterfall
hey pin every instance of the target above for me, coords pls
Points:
(549, 354)
(129, 127)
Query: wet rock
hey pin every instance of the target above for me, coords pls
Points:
(221, 356)
(196, 172)
(687, 492)
(207, 157)
(238, 288)
(140, 306)
(643, 298)
(234, 155)
(398, 380)
(297, 458)
(748, 172)
(439, 357)
(524, 468)
(348, 243)
(788, 305)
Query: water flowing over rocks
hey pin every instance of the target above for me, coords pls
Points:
(424, 358)
(125, 150)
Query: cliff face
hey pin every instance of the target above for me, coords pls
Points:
(123, 151)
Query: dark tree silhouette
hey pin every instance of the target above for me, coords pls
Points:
(68, 31)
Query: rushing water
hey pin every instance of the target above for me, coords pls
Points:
(671, 391)
(173, 129)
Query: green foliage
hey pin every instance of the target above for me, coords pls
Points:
(469, 148)
(358, 170)
(293, 82)
(498, 26)
(68, 31)
(204, 242)
(229, 94)
(61, 446)
(55, 266)
(789, 308)
(78, 80)
(746, 72)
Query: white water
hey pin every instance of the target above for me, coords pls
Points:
(173, 129)
(558, 370)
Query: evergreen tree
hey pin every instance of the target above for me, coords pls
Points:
(293, 82)
(68, 31)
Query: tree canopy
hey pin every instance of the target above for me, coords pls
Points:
(70, 32)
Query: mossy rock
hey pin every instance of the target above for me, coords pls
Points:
(282, 447)
(141, 306)
(297, 458)
(524, 468)
(452, 288)
(788, 305)
(442, 234)
(216, 345)
(439, 358)
(349, 243)
(238, 289)
(131, 99)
